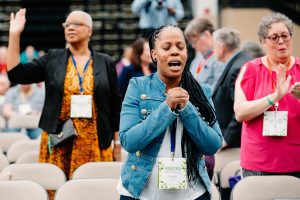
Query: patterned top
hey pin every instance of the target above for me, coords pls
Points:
(85, 147)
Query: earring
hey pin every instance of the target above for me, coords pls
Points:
(154, 59)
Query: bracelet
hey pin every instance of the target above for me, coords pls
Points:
(270, 101)
(117, 142)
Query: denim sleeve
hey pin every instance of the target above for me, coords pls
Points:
(208, 139)
(135, 133)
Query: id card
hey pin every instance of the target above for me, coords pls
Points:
(25, 109)
(81, 106)
(275, 123)
(172, 173)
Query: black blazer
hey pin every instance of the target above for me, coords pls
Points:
(51, 68)
(223, 98)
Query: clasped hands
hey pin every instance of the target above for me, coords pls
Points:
(177, 98)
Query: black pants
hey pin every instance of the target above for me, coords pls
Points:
(205, 196)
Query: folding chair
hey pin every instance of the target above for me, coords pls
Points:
(7, 139)
(230, 169)
(24, 121)
(49, 176)
(22, 189)
(20, 147)
(222, 158)
(267, 188)
(29, 157)
(88, 189)
(97, 170)
(3, 161)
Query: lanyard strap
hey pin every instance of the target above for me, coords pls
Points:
(173, 137)
(203, 63)
(80, 78)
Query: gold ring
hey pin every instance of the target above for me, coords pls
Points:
(177, 95)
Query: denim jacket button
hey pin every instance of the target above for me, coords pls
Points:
(143, 96)
(144, 111)
(133, 167)
(138, 153)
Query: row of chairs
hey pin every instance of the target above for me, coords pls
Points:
(88, 189)
(250, 188)
(20, 121)
(52, 177)
(95, 180)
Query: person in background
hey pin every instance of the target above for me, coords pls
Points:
(141, 64)
(199, 33)
(80, 85)
(29, 54)
(156, 13)
(270, 114)
(24, 100)
(167, 122)
(124, 61)
(3, 58)
(4, 85)
(227, 50)
(253, 49)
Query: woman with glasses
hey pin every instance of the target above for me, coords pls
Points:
(81, 85)
(270, 114)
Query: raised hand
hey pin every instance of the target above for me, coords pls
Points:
(17, 21)
(177, 98)
(283, 82)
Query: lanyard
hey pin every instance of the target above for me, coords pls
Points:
(173, 137)
(80, 78)
(203, 63)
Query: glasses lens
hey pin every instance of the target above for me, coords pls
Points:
(286, 37)
(274, 38)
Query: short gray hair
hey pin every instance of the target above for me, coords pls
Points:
(87, 16)
(267, 21)
(198, 26)
(229, 37)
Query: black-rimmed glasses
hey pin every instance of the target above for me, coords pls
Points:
(275, 38)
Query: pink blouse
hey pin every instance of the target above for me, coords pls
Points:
(270, 153)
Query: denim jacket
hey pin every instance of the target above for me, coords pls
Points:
(145, 116)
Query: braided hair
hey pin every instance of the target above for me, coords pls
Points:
(199, 100)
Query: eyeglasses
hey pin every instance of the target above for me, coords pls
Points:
(275, 38)
(74, 24)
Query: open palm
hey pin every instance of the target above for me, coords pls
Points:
(283, 83)
(17, 21)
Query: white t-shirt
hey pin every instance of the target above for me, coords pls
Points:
(151, 191)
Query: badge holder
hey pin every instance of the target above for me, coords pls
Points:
(275, 122)
(172, 171)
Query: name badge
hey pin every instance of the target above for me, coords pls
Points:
(172, 173)
(275, 123)
(81, 106)
(25, 109)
